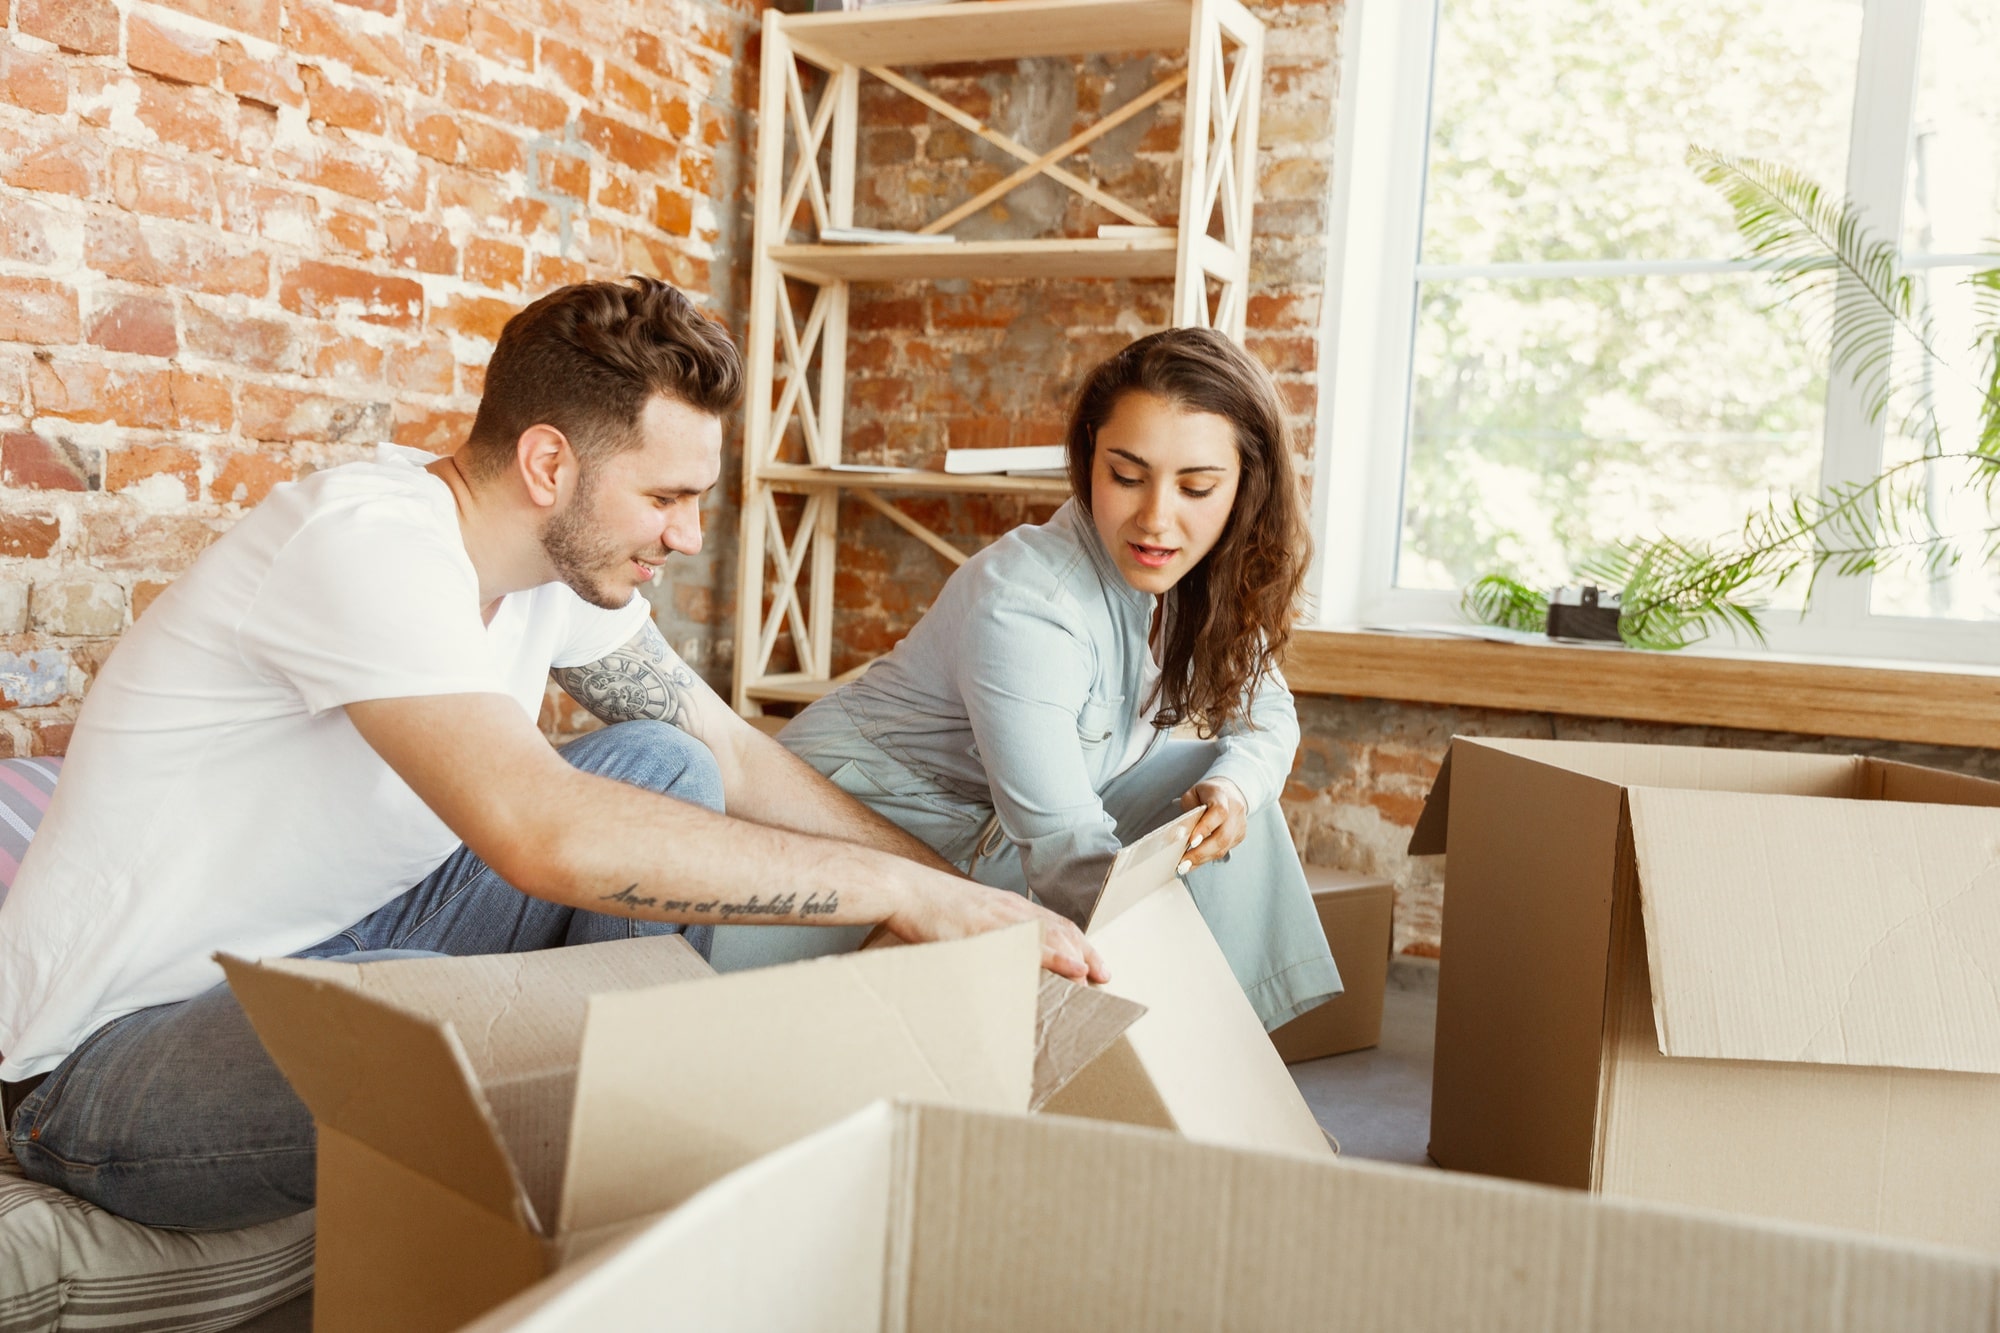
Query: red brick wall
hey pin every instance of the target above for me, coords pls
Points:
(947, 365)
(243, 239)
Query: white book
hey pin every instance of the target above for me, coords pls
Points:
(1015, 458)
(879, 236)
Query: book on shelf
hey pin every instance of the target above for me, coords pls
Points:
(880, 236)
(1043, 458)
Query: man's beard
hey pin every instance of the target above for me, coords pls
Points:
(580, 555)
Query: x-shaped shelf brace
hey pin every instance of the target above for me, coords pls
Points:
(811, 132)
(789, 559)
(798, 350)
(1038, 164)
(1225, 113)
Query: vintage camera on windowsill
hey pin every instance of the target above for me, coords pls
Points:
(1588, 612)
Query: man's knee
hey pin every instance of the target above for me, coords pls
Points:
(656, 755)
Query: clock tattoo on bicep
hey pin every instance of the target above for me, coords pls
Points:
(643, 679)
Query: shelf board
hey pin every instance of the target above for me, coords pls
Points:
(1062, 257)
(1875, 701)
(791, 687)
(993, 30)
(795, 477)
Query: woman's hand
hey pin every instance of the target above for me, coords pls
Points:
(946, 909)
(1221, 826)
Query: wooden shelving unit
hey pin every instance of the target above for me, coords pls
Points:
(786, 573)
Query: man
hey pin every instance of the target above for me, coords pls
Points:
(321, 742)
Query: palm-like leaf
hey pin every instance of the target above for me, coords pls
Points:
(1851, 288)
(1507, 602)
(1846, 282)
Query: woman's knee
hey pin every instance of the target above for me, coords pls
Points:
(656, 755)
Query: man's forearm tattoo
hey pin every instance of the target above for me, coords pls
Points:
(778, 907)
(640, 680)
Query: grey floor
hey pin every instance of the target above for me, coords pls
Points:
(1376, 1102)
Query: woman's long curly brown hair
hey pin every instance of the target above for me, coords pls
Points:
(1228, 621)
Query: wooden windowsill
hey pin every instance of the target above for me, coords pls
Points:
(1958, 705)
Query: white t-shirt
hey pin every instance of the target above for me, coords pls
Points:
(216, 797)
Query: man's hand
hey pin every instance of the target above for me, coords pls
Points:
(1221, 826)
(953, 911)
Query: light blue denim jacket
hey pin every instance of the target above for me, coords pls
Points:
(1020, 690)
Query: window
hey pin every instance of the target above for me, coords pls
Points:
(1542, 334)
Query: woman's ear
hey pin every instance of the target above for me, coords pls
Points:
(545, 462)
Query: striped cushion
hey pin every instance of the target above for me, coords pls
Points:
(25, 788)
(66, 1265)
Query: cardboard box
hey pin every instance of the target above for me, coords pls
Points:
(1357, 912)
(1754, 981)
(936, 1218)
(1198, 1061)
(484, 1120)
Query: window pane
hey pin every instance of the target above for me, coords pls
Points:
(1560, 128)
(1954, 197)
(1552, 417)
(1953, 503)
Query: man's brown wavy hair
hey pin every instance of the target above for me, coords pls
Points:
(1228, 620)
(587, 358)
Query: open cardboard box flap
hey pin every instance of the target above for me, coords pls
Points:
(922, 1217)
(756, 1059)
(1821, 909)
(1199, 1061)
(1848, 932)
(337, 1030)
(540, 1074)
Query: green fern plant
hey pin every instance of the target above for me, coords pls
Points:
(1857, 300)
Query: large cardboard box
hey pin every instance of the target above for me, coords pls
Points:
(1198, 1061)
(1357, 913)
(484, 1120)
(1755, 981)
(936, 1218)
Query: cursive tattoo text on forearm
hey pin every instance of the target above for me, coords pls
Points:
(775, 907)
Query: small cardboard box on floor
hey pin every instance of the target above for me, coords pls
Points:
(1754, 981)
(940, 1218)
(1357, 914)
(483, 1121)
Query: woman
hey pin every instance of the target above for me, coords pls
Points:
(1024, 727)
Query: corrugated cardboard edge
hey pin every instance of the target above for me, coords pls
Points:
(1074, 1024)
(1006, 1222)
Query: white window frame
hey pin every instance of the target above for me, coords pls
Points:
(1369, 313)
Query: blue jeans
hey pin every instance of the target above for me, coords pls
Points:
(174, 1116)
(1255, 899)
